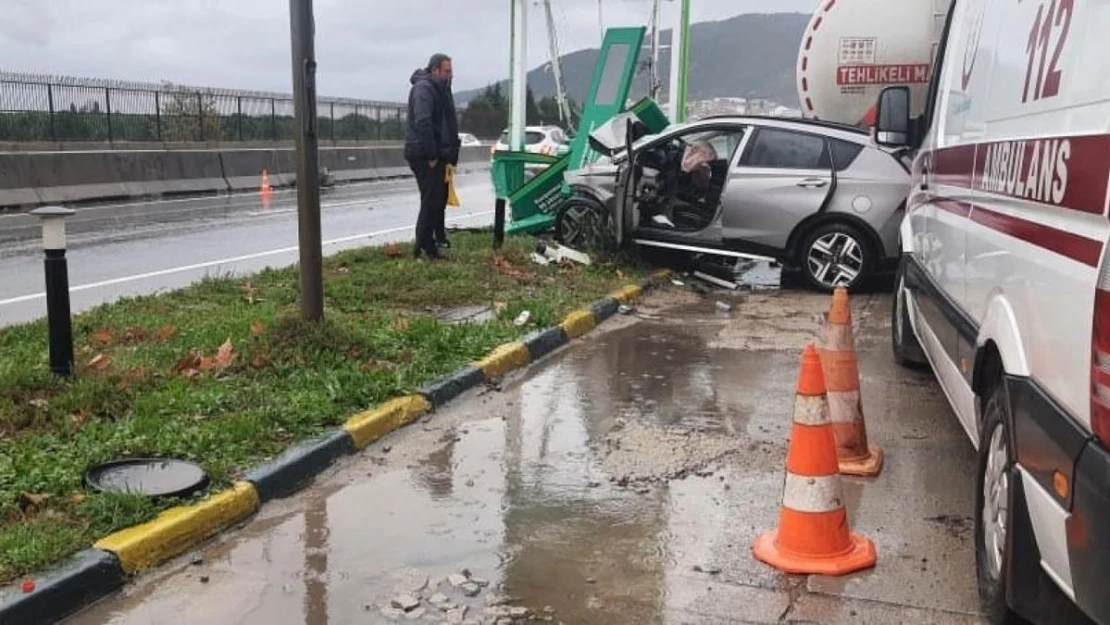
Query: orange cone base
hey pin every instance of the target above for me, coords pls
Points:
(861, 555)
(866, 466)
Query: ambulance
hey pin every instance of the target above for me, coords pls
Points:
(1003, 287)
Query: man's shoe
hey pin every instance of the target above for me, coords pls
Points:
(444, 244)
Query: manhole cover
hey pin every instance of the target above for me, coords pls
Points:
(156, 477)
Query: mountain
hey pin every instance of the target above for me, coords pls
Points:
(751, 56)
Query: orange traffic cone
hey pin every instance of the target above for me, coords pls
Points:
(813, 535)
(265, 188)
(838, 359)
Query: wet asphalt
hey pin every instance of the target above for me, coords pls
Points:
(621, 481)
(138, 248)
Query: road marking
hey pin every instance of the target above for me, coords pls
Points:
(225, 261)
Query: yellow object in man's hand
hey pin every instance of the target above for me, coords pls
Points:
(452, 199)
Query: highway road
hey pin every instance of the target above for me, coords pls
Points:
(136, 248)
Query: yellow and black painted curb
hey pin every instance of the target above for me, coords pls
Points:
(99, 571)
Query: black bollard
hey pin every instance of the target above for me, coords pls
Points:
(59, 320)
(498, 223)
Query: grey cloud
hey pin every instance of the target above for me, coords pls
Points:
(365, 48)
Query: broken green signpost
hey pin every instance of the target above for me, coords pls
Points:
(535, 202)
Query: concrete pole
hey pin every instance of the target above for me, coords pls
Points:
(303, 30)
(518, 74)
(679, 58)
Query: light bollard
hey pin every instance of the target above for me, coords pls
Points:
(57, 287)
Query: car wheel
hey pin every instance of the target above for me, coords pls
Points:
(835, 255)
(994, 506)
(907, 350)
(582, 223)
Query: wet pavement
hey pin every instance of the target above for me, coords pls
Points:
(118, 250)
(621, 481)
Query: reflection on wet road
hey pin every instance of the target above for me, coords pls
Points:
(620, 482)
(117, 250)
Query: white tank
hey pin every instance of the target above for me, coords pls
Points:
(852, 49)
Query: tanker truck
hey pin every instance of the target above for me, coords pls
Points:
(852, 49)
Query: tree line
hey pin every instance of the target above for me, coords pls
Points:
(487, 114)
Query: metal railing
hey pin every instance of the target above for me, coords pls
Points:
(58, 109)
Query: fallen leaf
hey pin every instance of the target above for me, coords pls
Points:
(206, 364)
(188, 365)
(100, 362)
(134, 335)
(167, 332)
(103, 337)
(377, 365)
(257, 328)
(393, 251)
(76, 498)
(33, 501)
(79, 418)
(499, 306)
(400, 323)
(225, 354)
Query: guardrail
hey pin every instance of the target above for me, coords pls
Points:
(29, 179)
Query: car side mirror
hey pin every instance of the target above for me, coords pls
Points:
(892, 118)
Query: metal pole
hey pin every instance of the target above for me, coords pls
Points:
(498, 222)
(158, 115)
(200, 117)
(50, 99)
(358, 122)
(518, 66)
(108, 106)
(303, 28)
(273, 120)
(680, 58)
(656, 31)
(58, 312)
(331, 115)
(239, 117)
(378, 118)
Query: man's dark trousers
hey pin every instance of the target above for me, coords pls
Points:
(433, 200)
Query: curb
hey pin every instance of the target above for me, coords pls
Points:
(94, 573)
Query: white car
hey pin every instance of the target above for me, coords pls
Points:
(550, 140)
(468, 140)
(1004, 288)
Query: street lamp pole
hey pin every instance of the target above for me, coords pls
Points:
(303, 29)
(57, 287)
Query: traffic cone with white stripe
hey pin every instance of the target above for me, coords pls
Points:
(838, 361)
(813, 535)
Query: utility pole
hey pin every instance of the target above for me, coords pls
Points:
(600, 22)
(557, 64)
(680, 54)
(518, 74)
(303, 29)
(653, 89)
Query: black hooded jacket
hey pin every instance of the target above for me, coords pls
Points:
(433, 126)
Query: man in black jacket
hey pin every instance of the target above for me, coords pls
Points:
(431, 143)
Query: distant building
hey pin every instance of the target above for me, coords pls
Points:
(700, 109)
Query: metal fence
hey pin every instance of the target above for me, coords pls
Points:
(62, 109)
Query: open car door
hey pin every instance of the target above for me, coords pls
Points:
(626, 213)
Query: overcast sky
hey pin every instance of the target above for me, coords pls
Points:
(364, 48)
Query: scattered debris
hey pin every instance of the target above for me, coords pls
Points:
(470, 589)
(625, 309)
(408, 603)
(480, 581)
(416, 613)
(457, 579)
(708, 569)
(392, 613)
(678, 282)
(560, 253)
(438, 599)
(724, 306)
(204, 579)
(197, 559)
(539, 259)
(725, 284)
(27, 586)
(522, 318)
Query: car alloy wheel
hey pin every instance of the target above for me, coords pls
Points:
(835, 259)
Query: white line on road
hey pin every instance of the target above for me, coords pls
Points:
(224, 261)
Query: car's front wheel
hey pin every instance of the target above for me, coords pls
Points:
(582, 222)
(835, 255)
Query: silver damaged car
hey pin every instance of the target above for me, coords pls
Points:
(819, 197)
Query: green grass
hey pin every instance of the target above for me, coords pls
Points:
(151, 381)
